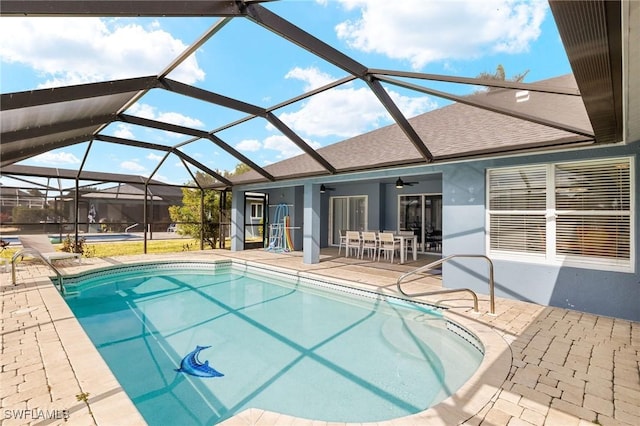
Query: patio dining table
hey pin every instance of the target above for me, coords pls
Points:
(403, 242)
(402, 239)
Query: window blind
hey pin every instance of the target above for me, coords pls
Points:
(564, 211)
(517, 203)
(593, 207)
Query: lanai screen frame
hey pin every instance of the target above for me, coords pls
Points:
(112, 98)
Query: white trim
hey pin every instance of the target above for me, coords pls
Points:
(261, 210)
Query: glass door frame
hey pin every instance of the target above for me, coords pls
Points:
(331, 219)
(423, 225)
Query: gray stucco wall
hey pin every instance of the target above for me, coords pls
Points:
(463, 191)
(600, 292)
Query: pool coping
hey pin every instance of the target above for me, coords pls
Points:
(466, 402)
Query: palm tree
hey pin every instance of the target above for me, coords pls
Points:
(500, 75)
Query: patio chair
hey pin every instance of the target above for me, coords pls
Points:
(43, 246)
(387, 244)
(353, 243)
(370, 244)
(343, 241)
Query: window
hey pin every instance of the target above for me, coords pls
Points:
(256, 211)
(570, 213)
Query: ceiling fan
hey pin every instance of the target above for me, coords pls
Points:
(401, 184)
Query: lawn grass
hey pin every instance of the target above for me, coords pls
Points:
(123, 248)
(137, 247)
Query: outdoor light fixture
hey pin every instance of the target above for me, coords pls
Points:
(324, 189)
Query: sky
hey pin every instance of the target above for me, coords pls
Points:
(249, 63)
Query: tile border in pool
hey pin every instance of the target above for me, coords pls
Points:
(469, 399)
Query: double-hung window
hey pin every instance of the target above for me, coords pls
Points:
(577, 213)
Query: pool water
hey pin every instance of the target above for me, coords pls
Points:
(279, 344)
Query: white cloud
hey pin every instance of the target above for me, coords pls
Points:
(179, 119)
(346, 111)
(284, 146)
(154, 157)
(412, 106)
(147, 111)
(312, 76)
(423, 31)
(142, 110)
(80, 50)
(249, 145)
(123, 130)
(132, 166)
(55, 158)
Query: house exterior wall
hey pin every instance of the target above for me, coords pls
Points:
(591, 290)
(374, 191)
(464, 192)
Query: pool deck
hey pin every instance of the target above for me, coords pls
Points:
(548, 366)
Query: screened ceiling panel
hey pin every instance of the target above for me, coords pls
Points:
(28, 131)
(13, 152)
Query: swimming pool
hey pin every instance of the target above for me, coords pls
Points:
(98, 238)
(277, 341)
(91, 238)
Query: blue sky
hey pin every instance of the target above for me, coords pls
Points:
(247, 62)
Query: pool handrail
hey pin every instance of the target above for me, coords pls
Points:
(431, 265)
(130, 227)
(36, 254)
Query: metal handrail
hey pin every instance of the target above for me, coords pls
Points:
(453, 290)
(130, 227)
(35, 253)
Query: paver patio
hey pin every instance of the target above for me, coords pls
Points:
(566, 367)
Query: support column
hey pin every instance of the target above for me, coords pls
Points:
(237, 220)
(311, 224)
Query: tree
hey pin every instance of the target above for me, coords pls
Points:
(500, 75)
(240, 169)
(188, 214)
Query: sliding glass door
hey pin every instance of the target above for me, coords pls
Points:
(422, 214)
(347, 214)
